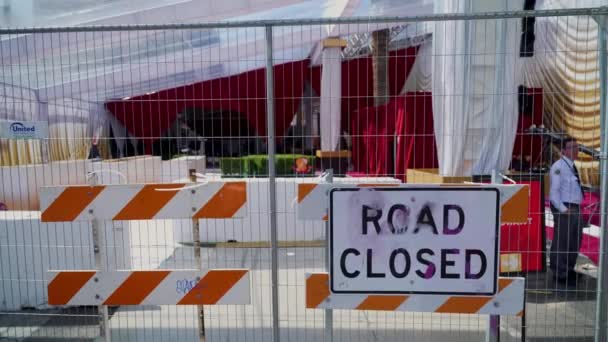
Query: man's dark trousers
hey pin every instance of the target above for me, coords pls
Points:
(567, 234)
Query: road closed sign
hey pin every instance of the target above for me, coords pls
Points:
(432, 240)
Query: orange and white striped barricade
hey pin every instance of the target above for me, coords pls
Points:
(312, 197)
(489, 204)
(508, 300)
(312, 203)
(157, 287)
(209, 200)
(313, 200)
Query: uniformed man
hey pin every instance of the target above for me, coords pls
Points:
(566, 195)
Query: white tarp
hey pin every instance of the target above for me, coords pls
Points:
(475, 79)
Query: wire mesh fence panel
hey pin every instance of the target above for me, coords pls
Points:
(467, 99)
(81, 83)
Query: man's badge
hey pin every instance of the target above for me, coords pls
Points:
(556, 171)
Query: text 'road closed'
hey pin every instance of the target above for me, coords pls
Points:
(414, 240)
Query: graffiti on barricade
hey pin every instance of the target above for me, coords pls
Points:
(184, 286)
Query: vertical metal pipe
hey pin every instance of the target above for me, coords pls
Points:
(43, 114)
(272, 184)
(602, 286)
(493, 331)
(329, 314)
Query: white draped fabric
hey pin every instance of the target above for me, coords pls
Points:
(421, 75)
(566, 66)
(475, 78)
(331, 95)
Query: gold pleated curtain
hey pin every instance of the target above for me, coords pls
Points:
(68, 141)
(566, 66)
(19, 152)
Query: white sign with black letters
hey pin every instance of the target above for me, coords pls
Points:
(10, 129)
(435, 240)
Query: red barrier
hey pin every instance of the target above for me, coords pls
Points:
(526, 239)
(522, 245)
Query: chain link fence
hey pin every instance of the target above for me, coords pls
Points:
(435, 99)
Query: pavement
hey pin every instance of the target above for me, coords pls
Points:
(553, 312)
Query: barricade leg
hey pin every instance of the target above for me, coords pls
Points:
(200, 310)
(99, 252)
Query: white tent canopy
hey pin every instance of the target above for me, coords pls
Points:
(76, 70)
(96, 66)
(74, 73)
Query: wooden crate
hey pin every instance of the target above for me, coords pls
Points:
(432, 176)
(336, 160)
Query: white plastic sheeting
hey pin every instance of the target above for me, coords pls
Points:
(25, 13)
(105, 65)
(475, 79)
(98, 66)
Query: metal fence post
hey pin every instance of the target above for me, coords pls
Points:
(602, 285)
(272, 183)
(329, 314)
(99, 252)
(493, 332)
(45, 149)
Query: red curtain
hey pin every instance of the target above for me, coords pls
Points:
(416, 146)
(149, 116)
(372, 131)
(407, 118)
(358, 76)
